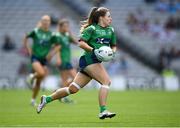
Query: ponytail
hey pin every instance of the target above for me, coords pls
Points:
(93, 17)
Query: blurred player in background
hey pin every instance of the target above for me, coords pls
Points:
(64, 38)
(39, 53)
(96, 33)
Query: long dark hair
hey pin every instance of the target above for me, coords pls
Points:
(93, 17)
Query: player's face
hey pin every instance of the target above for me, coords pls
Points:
(45, 22)
(107, 20)
(65, 27)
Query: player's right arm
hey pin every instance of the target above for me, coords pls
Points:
(85, 37)
(85, 46)
(26, 43)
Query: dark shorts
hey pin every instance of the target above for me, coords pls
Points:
(40, 60)
(66, 66)
(84, 61)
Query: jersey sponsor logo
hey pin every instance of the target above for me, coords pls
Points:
(103, 40)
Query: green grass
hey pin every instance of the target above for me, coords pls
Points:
(133, 108)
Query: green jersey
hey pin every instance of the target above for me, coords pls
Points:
(97, 36)
(64, 40)
(41, 42)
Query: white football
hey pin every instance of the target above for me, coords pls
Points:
(104, 53)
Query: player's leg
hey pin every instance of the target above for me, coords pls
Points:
(35, 75)
(46, 70)
(41, 72)
(35, 91)
(67, 76)
(64, 77)
(72, 73)
(79, 82)
(97, 72)
(65, 83)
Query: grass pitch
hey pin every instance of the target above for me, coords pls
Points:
(133, 108)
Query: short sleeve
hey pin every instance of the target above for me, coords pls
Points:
(113, 38)
(32, 33)
(70, 38)
(55, 39)
(87, 33)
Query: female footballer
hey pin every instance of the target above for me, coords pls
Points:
(39, 53)
(64, 37)
(96, 33)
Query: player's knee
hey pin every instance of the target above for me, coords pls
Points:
(41, 74)
(37, 86)
(74, 88)
(106, 81)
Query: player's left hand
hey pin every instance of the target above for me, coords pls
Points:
(58, 62)
(114, 55)
(48, 57)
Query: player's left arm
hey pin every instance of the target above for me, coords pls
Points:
(73, 39)
(26, 43)
(58, 57)
(53, 52)
(113, 41)
(55, 47)
(114, 48)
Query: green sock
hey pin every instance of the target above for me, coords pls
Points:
(102, 108)
(48, 99)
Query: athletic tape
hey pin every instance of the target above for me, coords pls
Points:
(105, 86)
(67, 90)
(76, 85)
